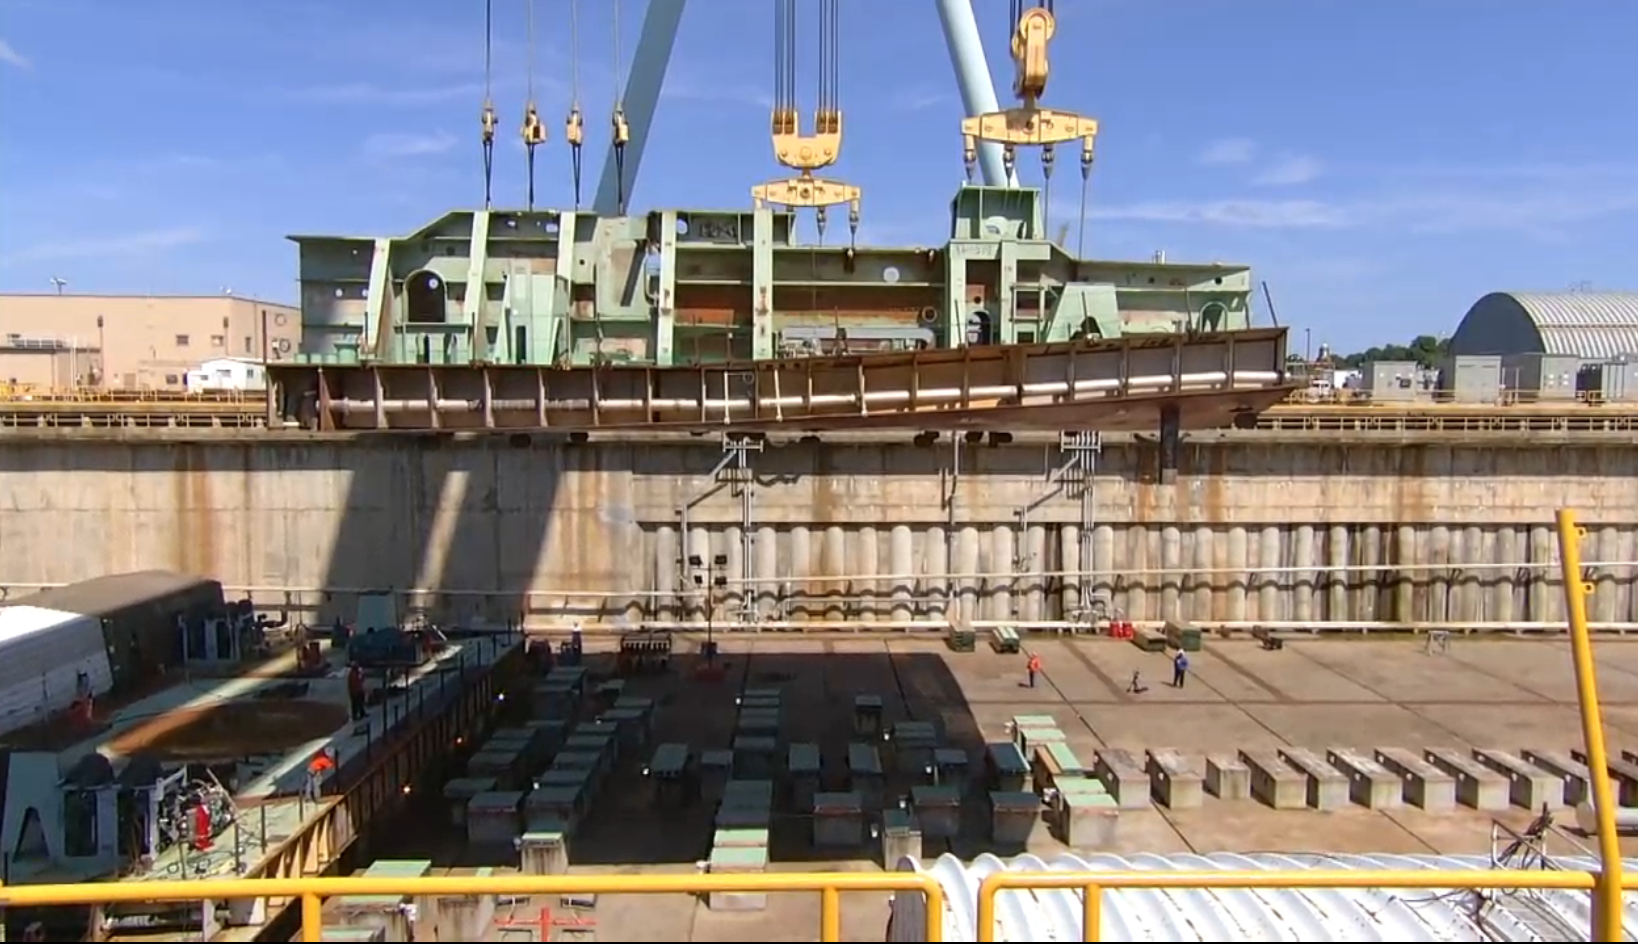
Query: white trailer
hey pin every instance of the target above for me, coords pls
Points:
(47, 659)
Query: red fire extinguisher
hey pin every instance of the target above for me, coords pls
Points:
(201, 828)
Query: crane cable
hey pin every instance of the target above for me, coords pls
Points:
(822, 101)
(534, 131)
(622, 131)
(574, 131)
(781, 98)
(833, 64)
(487, 117)
(1086, 184)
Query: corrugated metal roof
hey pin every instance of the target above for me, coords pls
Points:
(1250, 915)
(1585, 324)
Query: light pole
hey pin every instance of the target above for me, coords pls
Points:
(710, 579)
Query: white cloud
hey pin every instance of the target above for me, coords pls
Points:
(1283, 170)
(1258, 214)
(396, 145)
(918, 98)
(1539, 213)
(11, 57)
(1289, 170)
(694, 89)
(364, 93)
(1542, 172)
(1229, 151)
(128, 245)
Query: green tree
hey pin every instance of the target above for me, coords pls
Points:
(1424, 349)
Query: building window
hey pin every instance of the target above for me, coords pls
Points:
(218, 340)
(171, 379)
(181, 340)
(249, 348)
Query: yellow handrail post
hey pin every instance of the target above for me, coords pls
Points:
(830, 914)
(1606, 912)
(312, 918)
(1092, 913)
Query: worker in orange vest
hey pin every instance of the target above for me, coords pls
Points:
(1034, 668)
(321, 764)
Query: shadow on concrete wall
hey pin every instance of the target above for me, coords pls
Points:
(404, 511)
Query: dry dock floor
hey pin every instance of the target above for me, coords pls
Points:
(1353, 692)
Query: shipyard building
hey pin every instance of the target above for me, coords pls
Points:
(135, 342)
(1553, 346)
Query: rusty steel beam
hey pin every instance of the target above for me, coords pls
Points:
(1124, 384)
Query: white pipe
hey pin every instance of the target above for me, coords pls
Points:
(1213, 380)
(1184, 571)
(1316, 569)
(1315, 627)
(1626, 819)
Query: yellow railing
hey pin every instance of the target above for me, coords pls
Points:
(1093, 884)
(1606, 919)
(1607, 885)
(312, 892)
(39, 393)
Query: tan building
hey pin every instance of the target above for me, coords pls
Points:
(129, 342)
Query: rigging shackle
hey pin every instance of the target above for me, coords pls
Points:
(534, 130)
(574, 132)
(534, 134)
(622, 135)
(487, 121)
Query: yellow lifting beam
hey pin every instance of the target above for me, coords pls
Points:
(807, 153)
(1029, 124)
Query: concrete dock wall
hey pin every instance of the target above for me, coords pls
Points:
(1252, 530)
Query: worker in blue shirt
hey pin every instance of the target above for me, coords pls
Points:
(1180, 669)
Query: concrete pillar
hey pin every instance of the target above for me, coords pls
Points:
(1171, 558)
(1235, 577)
(1203, 602)
(1339, 605)
(901, 560)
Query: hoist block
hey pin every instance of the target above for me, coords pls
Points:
(806, 191)
(1036, 127)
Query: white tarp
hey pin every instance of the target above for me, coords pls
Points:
(43, 654)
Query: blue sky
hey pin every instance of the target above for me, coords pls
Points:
(1382, 164)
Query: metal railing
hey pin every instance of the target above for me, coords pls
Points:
(1093, 884)
(43, 394)
(830, 886)
(312, 892)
